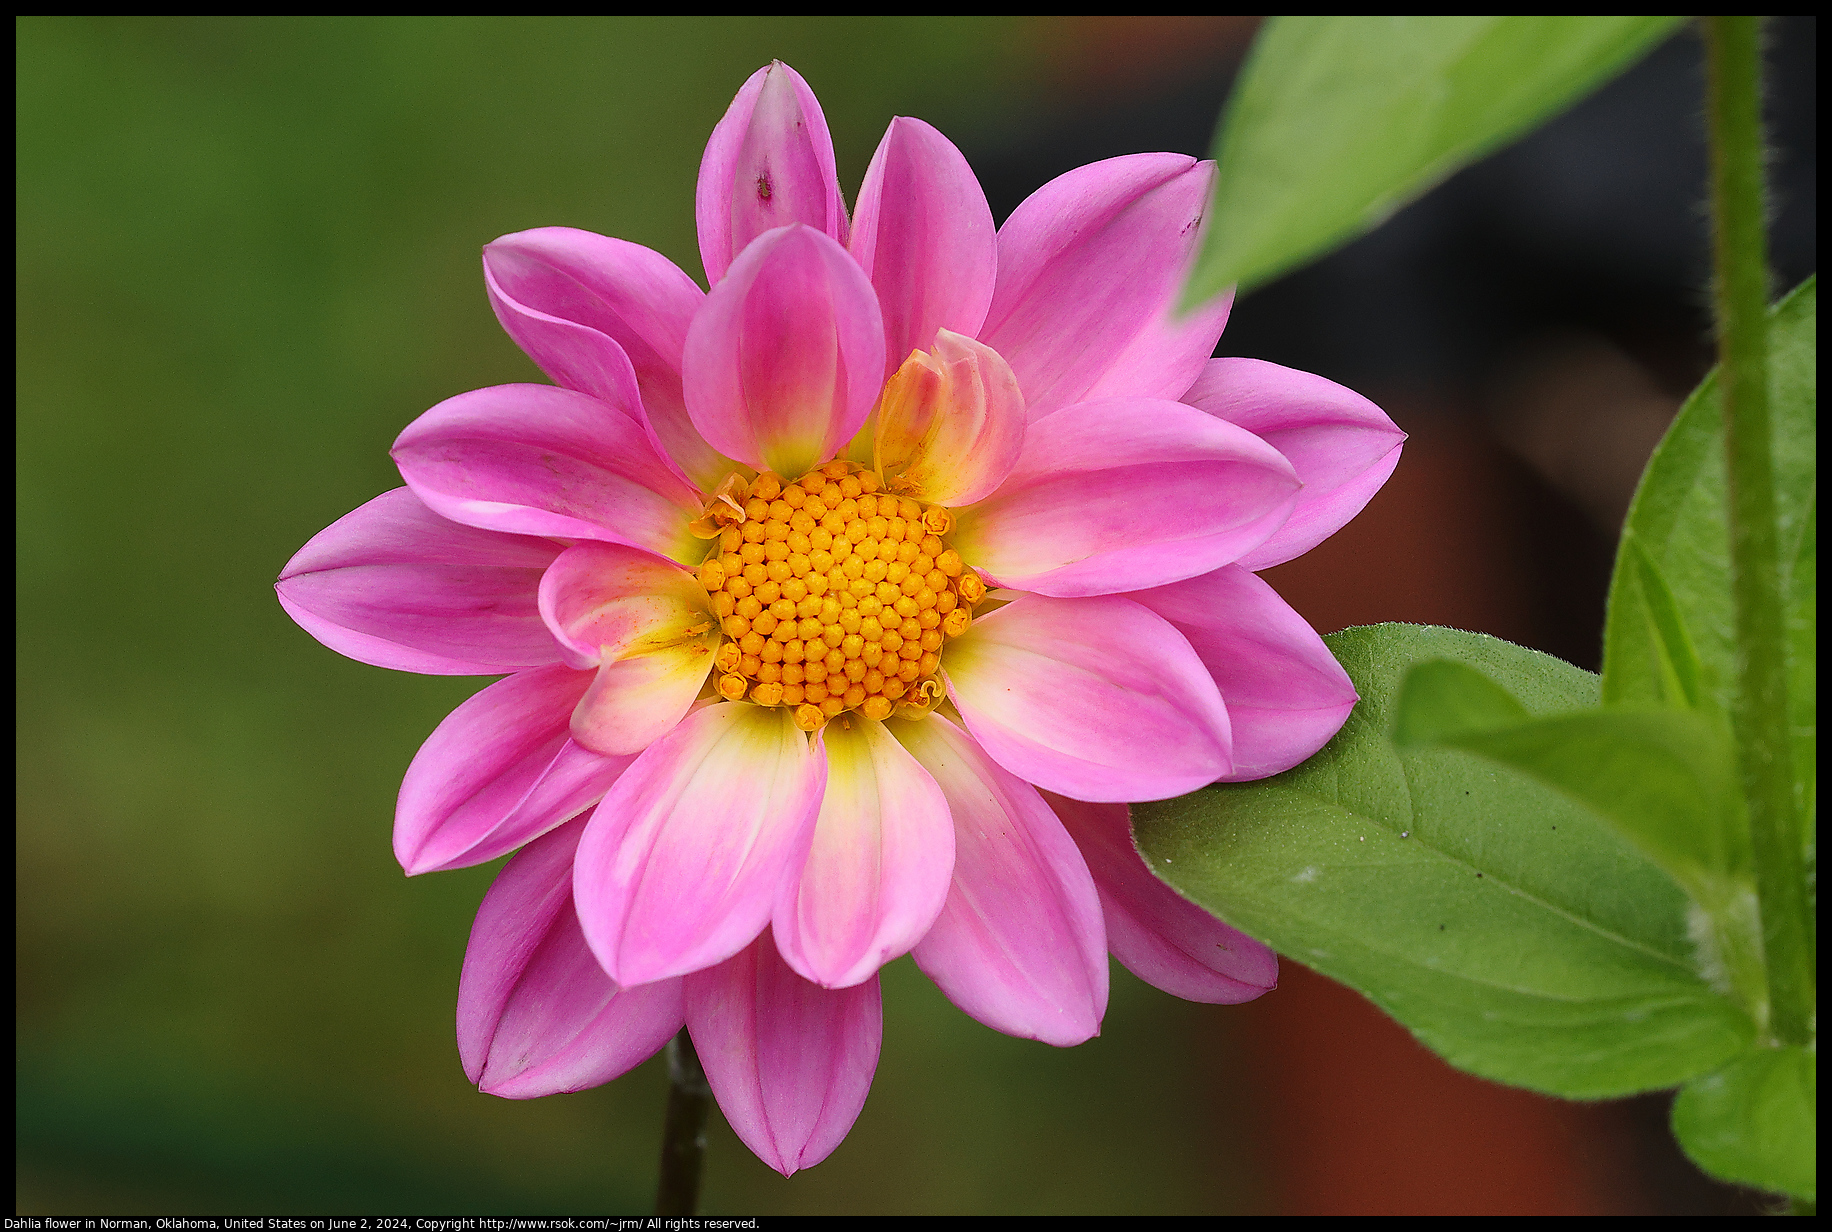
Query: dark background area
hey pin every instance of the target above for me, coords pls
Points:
(247, 256)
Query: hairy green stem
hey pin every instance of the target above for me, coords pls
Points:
(1740, 259)
(683, 1130)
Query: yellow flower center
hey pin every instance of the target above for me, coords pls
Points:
(834, 595)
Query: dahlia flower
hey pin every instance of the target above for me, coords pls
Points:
(839, 611)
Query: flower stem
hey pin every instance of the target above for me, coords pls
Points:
(683, 1130)
(1740, 259)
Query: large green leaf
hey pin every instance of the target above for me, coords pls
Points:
(1755, 1121)
(1665, 779)
(1677, 540)
(1338, 121)
(1510, 928)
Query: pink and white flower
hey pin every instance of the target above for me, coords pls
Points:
(839, 611)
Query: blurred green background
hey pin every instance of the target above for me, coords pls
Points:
(247, 257)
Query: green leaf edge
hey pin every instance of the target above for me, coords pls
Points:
(1205, 282)
(1700, 1119)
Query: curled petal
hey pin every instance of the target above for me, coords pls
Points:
(950, 424)
(499, 771)
(536, 1014)
(535, 460)
(645, 624)
(680, 868)
(1095, 698)
(790, 1062)
(1286, 694)
(572, 300)
(1090, 267)
(768, 164)
(1019, 944)
(1342, 446)
(1118, 495)
(1156, 933)
(606, 600)
(393, 584)
(785, 360)
(576, 356)
(880, 862)
(923, 234)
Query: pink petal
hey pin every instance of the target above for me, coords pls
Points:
(789, 1062)
(1342, 446)
(1019, 945)
(393, 584)
(769, 163)
(576, 356)
(648, 628)
(1090, 267)
(785, 360)
(950, 424)
(1118, 495)
(879, 868)
(557, 290)
(923, 234)
(499, 771)
(679, 870)
(535, 460)
(536, 1015)
(1160, 936)
(1286, 694)
(1098, 698)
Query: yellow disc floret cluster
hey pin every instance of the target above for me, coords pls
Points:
(834, 595)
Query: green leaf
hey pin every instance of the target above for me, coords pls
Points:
(1665, 667)
(1666, 779)
(1511, 929)
(1441, 698)
(1679, 523)
(1754, 1121)
(1336, 122)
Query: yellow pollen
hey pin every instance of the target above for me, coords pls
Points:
(834, 594)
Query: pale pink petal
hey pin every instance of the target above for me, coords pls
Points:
(1019, 945)
(1342, 446)
(393, 584)
(645, 624)
(1127, 493)
(680, 868)
(769, 163)
(607, 600)
(950, 424)
(1156, 933)
(879, 867)
(790, 1062)
(536, 460)
(923, 234)
(1090, 267)
(1095, 698)
(636, 700)
(599, 286)
(500, 770)
(536, 1014)
(785, 360)
(1286, 694)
